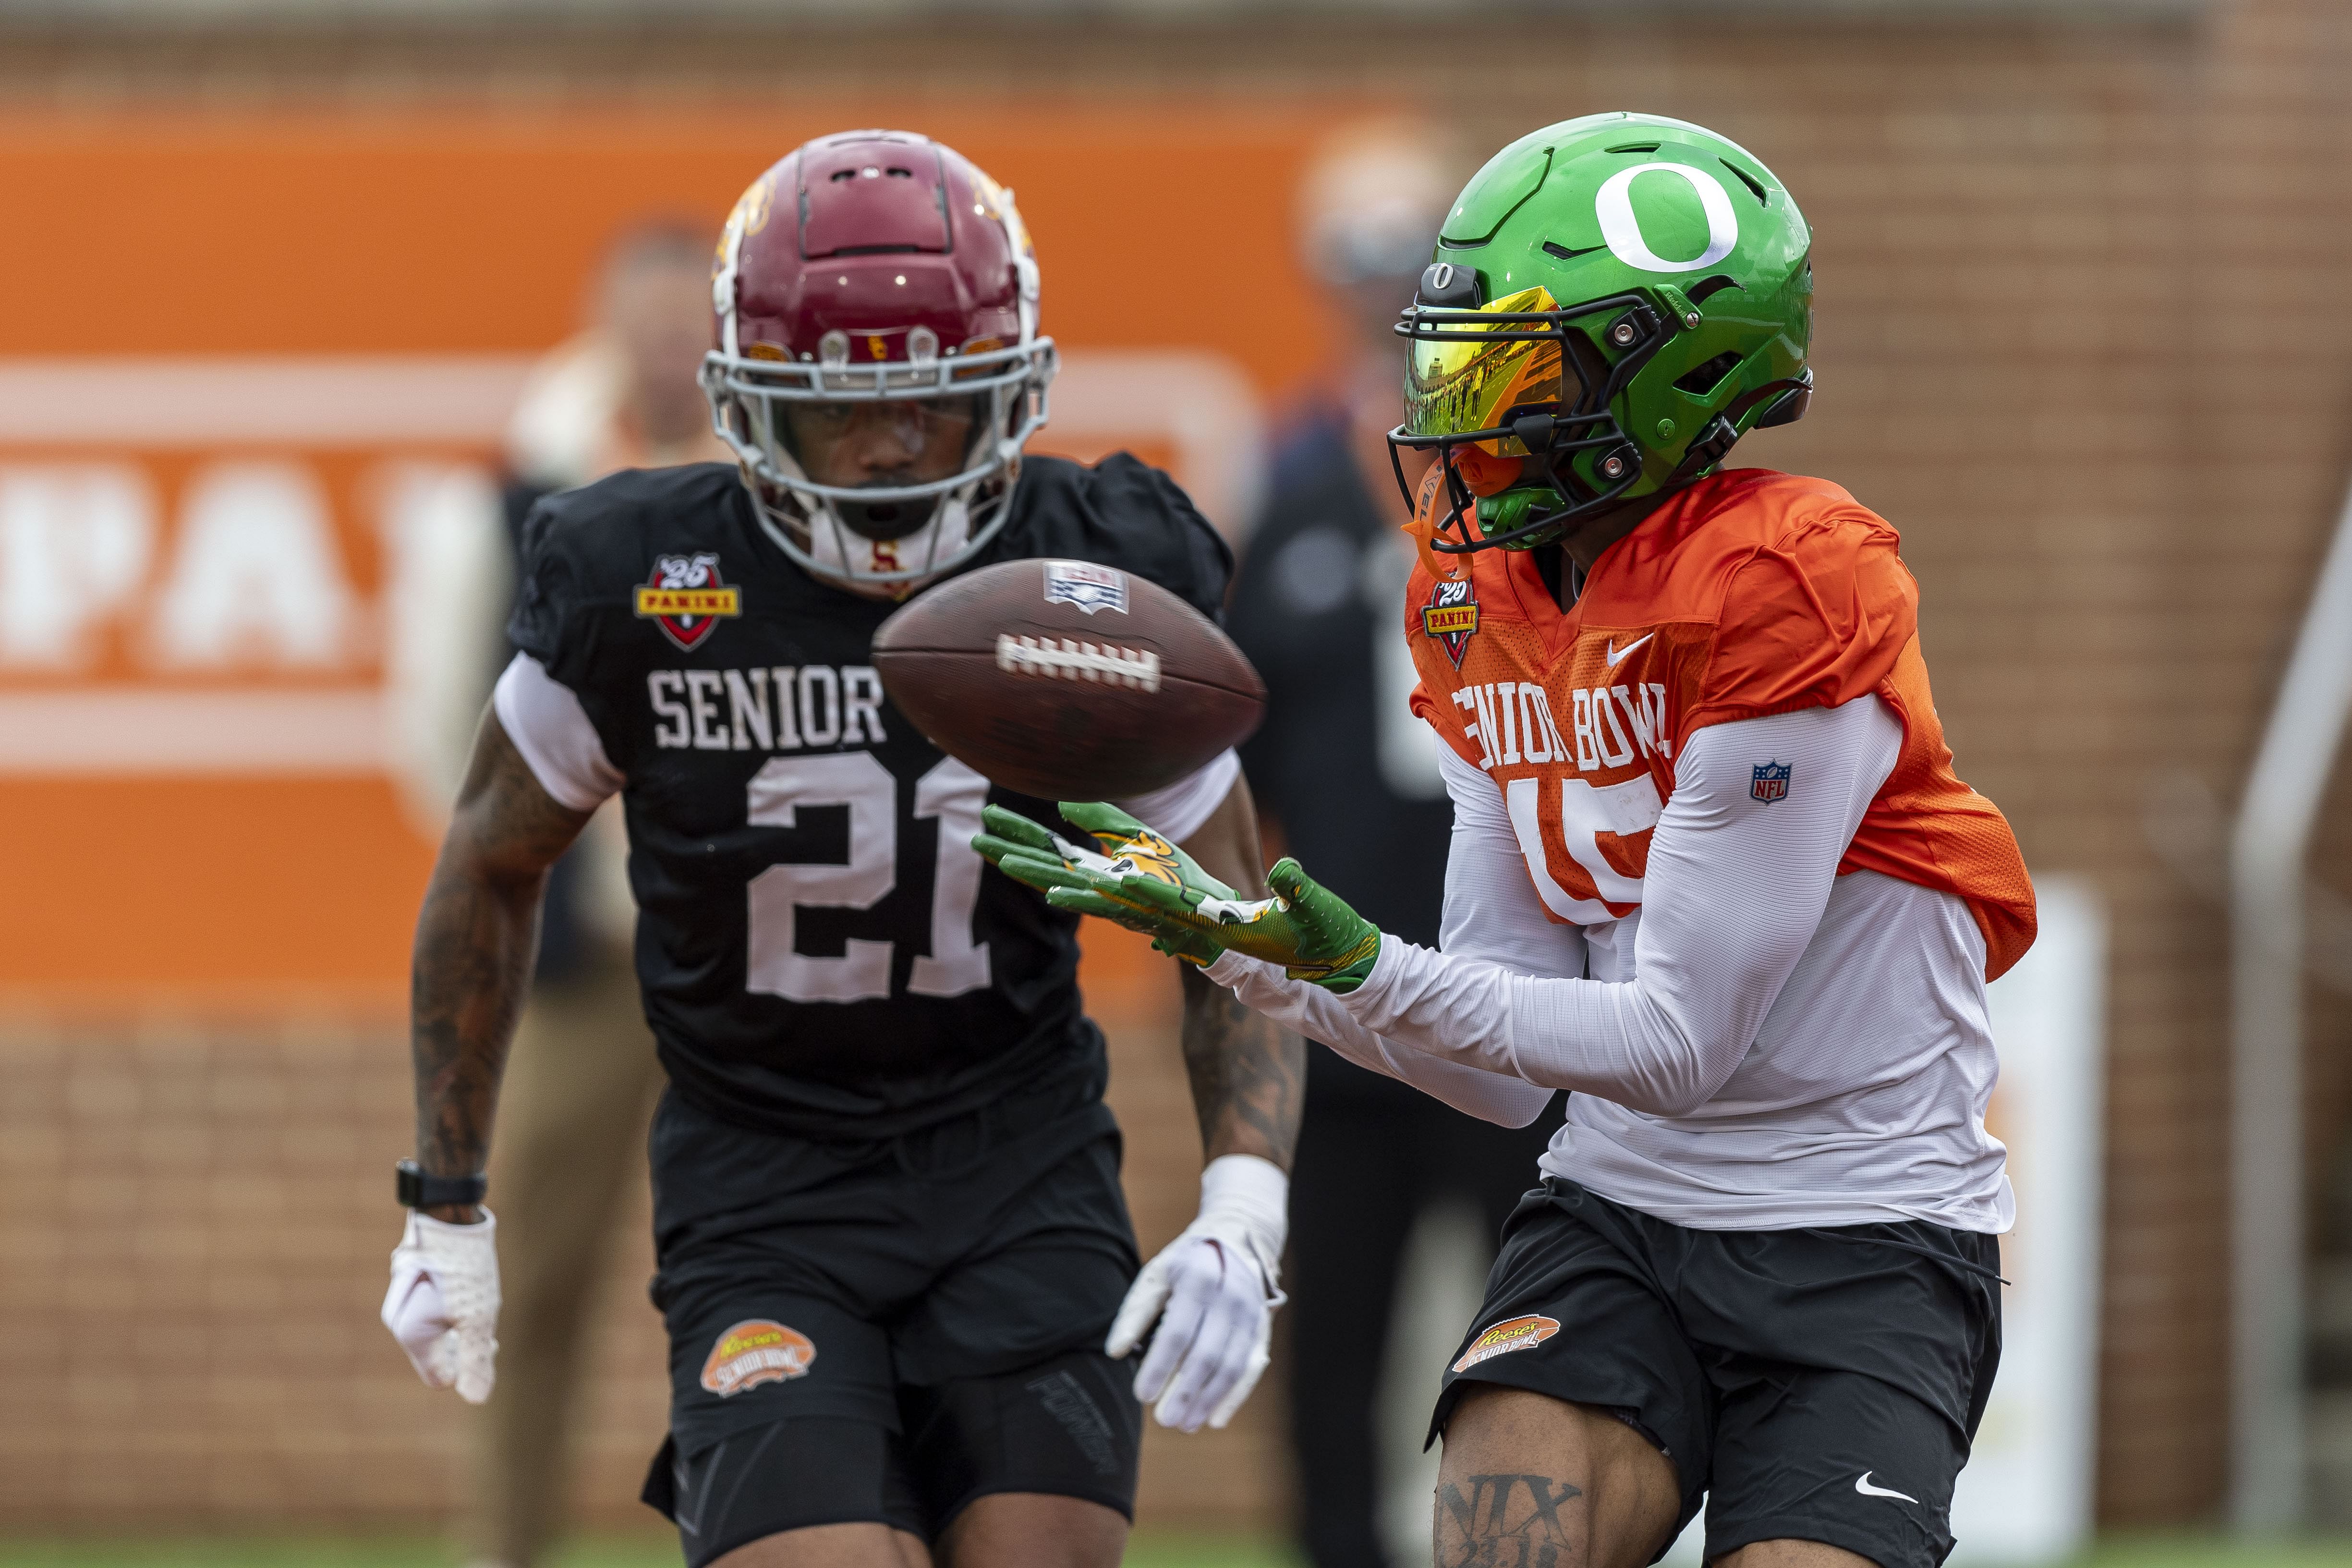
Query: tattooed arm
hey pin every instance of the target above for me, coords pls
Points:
(476, 940)
(1248, 1075)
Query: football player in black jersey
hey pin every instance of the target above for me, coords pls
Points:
(897, 1270)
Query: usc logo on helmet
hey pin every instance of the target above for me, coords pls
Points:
(752, 207)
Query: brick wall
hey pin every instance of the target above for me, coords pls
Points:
(2084, 338)
(192, 1240)
(193, 1226)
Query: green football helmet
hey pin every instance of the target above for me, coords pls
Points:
(1622, 297)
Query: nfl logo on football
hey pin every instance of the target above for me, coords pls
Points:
(1087, 586)
(1770, 781)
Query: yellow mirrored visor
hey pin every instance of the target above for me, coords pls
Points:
(1451, 388)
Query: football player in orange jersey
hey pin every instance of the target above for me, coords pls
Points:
(1712, 873)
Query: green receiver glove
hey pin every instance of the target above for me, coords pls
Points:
(1030, 853)
(1141, 880)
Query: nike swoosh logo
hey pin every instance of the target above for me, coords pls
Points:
(1616, 656)
(1862, 1484)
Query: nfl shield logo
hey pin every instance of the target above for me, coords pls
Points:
(1087, 586)
(1770, 782)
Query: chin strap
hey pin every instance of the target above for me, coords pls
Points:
(1720, 434)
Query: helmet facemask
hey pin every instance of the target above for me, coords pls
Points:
(1497, 385)
(845, 532)
(875, 274)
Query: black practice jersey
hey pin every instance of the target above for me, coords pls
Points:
(820, 952)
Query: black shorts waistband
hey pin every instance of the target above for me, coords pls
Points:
(952, 1147)
(1901, 1234)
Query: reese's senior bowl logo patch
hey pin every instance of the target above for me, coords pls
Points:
(1511, 1334)
(1088, 587)
(1451, 618)
(754, 1351)
(687, 599)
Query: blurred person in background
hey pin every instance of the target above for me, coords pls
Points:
(1350, 777)
(582, 1077)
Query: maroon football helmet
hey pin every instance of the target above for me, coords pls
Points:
(876, 266)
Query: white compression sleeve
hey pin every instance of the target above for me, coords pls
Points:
(1734, 892)
(1309, 1010)
(1491, 911)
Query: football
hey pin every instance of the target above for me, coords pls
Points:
(1067, 681)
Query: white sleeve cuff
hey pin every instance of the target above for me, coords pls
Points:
(1178, 811)
(1320, 1014)
(1228, 968)
(1454, 1008)
(551, 731)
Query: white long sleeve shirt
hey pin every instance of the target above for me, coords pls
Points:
(1763, 1044)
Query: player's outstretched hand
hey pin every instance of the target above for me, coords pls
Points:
(442, 1306)
(1028, 852)
(1212, 1292)
(1144, 882)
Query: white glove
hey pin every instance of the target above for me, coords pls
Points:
(1214, 1293)
(442, 1306)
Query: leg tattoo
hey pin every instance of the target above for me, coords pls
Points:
(1505, 1522)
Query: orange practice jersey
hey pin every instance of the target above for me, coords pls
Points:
(1747, 594)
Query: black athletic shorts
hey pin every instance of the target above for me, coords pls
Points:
(1818, 1384)
(883, 1333)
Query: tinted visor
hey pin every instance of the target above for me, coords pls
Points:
(1459, 383)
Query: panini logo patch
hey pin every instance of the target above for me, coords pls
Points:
(686, 597)
(1088, 587)
(754, 1351)
(1451, 617)
(1512, 1334)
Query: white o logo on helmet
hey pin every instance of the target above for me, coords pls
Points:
(1621, 231)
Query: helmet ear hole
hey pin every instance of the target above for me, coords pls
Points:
(1697, 294)
(1707, 377)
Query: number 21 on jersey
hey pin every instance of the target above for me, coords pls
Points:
(951, 794)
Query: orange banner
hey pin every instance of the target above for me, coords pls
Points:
(254, 356)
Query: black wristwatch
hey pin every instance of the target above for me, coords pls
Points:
(419, 1191)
